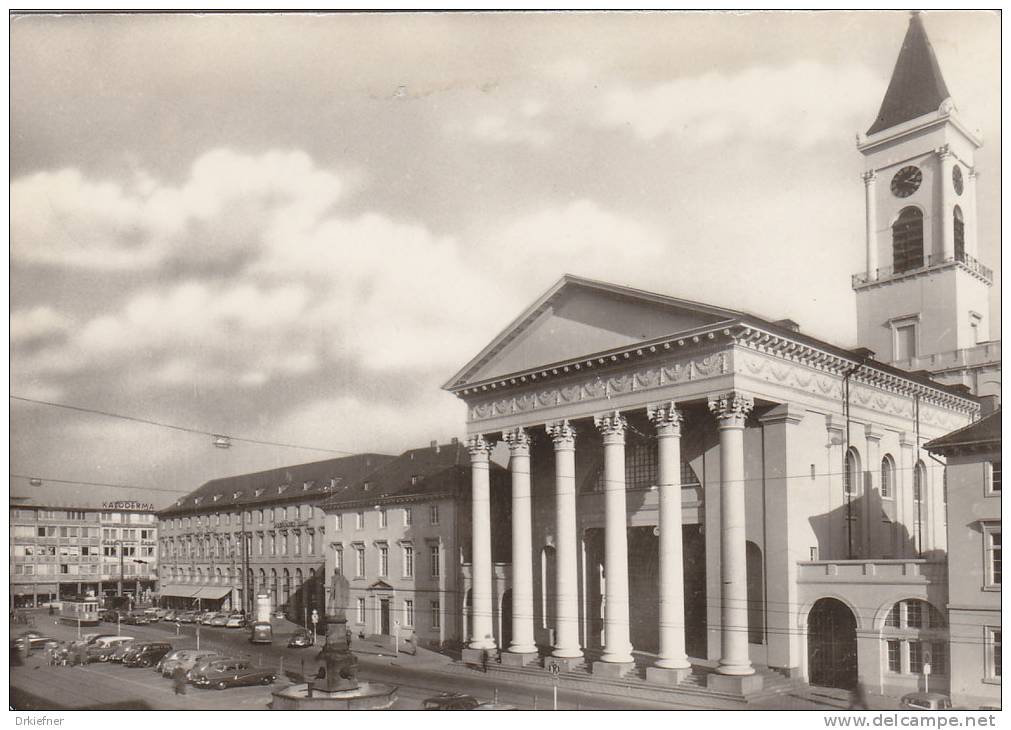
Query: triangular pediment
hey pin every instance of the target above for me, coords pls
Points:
(578, 317)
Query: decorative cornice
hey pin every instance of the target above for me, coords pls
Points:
(611, 426)
(562, 434)
(666, 418)
(731, 409)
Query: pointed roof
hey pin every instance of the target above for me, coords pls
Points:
(917, 86)
(982, 434)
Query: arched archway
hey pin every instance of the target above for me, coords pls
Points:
(832, 644)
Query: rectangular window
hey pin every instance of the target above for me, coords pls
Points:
(273, 544)
(310, 544)
(407, 517)
(360, 570)
(915, 657)
(340, 521)
(992, 542)
(359, 520)
(384, 561)
(993, 647)
(409, 613)
(433, 514)
(339, 561)
(894, 655)
(361, 610)
(298, 544)
(436, 615)
(905, 342)
(408, 561)
(914, 615)
(382, 518)
(435, 554)
(892, 619)
(284, 544)
(995, 476)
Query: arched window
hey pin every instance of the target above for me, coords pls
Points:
(887, 477)
(907, 240)
(915, 633)
(851, 475)
(959, 224)
(919, 503)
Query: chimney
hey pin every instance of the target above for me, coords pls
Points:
(455, 441)
(435, 446)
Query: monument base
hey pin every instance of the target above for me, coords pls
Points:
(367, 696)
(662, 675)
(612, 669)
(738, 684)
(512, 659)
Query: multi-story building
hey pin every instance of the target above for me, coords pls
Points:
(62, 550)
(973, 480)
(238, 536)
(396, 542)
(693, 481)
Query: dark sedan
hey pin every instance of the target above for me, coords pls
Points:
(225, 673)
(147, 654)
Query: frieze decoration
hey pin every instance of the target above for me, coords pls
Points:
(603, 387)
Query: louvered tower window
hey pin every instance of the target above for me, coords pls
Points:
(907, 240)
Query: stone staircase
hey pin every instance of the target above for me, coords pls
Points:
(692, 690)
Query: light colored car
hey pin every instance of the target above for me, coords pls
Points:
(925, 701)
(218, 619)
(236, 621)
(185, 658)
(206, 617)
(104, 646)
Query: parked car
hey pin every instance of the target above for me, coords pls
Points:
(185, 617)
(28, 644)
(451, 701)
(225, 673)
(102, 649)
(185, 658)
(300, 639)
(218, 619)
(148, 654)
(153, 614)
(120, 652)
(170, 615)
(205, 618)
(236, 621)
(925, 701)
(136, 618)
(200, 666)
(261, 632)
(278, 614)
(131, 649)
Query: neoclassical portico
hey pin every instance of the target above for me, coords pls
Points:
(713, 415)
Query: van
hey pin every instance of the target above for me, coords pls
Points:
(261, 633)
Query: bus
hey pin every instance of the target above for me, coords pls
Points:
(79, 612)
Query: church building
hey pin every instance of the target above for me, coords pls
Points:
(701, 492)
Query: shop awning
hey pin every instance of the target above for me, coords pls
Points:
(213, 592)
(179, 591)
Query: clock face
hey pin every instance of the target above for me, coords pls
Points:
(906, 181)
(956, 179)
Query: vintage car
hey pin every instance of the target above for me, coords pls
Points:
(224, 673)
(218, 619)
(925, 701)
(120, 652)
(185, 658)
(147, 654)
(236, 621)
(300, 639)
(104, 647)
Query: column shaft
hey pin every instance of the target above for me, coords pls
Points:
(946, 219)
(481, 567)
(617, 643)
(566, 567)
(731, 410)
(871, 221)
(667, 420)
(523, 570)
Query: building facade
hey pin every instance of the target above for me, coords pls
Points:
(973, 476)
(239, 536)
(59, 551)
(396, 543)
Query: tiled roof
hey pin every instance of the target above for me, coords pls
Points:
(983, 433)
(917, 86)
(310, 482)
(417, 473)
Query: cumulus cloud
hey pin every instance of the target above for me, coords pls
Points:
(803, 103)
(37, 323)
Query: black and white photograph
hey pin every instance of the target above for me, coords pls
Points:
(532, 360)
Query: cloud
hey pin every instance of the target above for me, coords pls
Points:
(38, 323)
(803, 103)
(63, 218)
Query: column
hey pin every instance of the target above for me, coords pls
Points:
(871, 220)
(874, 537)
(480, 602)
(672, 664)
(946, 219)
(523, 562)
(970, 214)
(730, 410)
(617, 646)
(566, 568)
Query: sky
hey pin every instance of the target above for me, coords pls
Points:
(295, 228)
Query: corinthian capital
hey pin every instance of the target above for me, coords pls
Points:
(731, 408)
(611, 426)
(869, 177)
(518, 441)
(943, 151)
(479, 448)
(563, 434)
(666, 417)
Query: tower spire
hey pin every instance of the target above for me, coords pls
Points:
(917, 86)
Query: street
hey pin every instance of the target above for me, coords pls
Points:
(112, 686)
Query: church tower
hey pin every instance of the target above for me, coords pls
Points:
(924, 296)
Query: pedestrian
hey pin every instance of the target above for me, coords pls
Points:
(179, 680)
(348, 637)
(859, 698)
(321, 673)
(484, 660)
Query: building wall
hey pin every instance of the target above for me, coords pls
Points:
(974, 599)
(68, 551)
(432, 533)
